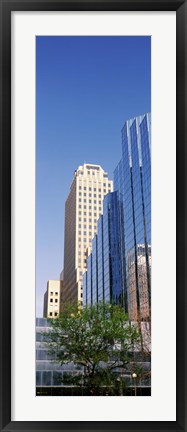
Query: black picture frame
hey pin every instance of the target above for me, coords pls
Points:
(6, 7)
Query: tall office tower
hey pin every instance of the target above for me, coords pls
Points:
(83, 207)
(132, 177)
(105, 276)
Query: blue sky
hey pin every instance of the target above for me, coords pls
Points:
(86, 87)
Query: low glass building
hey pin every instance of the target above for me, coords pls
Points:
(49, 373)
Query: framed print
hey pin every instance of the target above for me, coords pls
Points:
(93, 215)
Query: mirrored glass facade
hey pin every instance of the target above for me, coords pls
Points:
(100, 259)
(132, 178)
(89, 281)
(105, 280)
(94, 270)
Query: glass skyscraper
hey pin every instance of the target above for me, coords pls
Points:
(105, 277)
(132, 178)
(119, 268)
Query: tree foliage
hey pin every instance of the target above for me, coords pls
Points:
(99, 341)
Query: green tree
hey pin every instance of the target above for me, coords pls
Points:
(99, 341)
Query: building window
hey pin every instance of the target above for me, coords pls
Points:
(79, 239)
(94, 189)
(56, 313)
(90, 227)
(79, 219)
(104, 184)
(84, 226)
(99, 202)
(56, 300)
(84, 219)
(51, 293)
(90, 188)
(51, 300)
(84, 207)
(95, 195)
(88, 172)
(95, 208)
(79, 205)
(90, 234)
(80, 187)
(79, 213)
(84, 200)
(84, 188)
(84, 240)
(79, 225)
(99, 208)
(104, 190)
(99, 190)
(85, 233)
(84, 213)
(90, 201)
(95, 220)
(95, 201)
(50, 314)
(56, 293)
(99, 195)
(79, 199)
(80, 193)
(90, 194)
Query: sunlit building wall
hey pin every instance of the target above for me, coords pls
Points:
(52, 299)
(83, 207)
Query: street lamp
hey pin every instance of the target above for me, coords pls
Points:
(119, 379)
(134, 376)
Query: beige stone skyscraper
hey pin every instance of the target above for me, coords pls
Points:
(83, 207)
